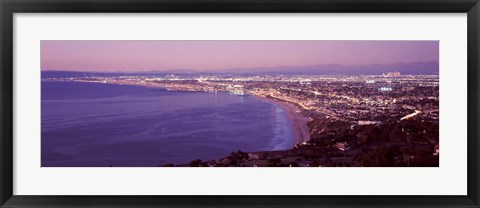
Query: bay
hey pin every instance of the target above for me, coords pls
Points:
(88, 124)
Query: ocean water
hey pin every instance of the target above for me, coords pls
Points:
(98, 125)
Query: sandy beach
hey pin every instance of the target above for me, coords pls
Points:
(299, 121)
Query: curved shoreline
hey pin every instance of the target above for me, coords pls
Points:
(299, 121)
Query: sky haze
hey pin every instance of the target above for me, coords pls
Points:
(143, 55)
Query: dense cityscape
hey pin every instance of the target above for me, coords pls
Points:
(353, 120)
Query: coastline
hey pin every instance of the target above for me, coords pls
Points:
(299, 121)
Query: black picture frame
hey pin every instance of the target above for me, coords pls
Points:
(9, 7)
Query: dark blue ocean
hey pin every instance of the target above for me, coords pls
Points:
(98, 125)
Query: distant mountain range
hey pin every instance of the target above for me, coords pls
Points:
(417, 68)
(403, 68)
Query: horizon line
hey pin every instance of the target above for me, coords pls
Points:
(234, 68)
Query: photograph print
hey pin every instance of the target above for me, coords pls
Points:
(239, 103)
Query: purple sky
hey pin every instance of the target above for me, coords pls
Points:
(210, 55)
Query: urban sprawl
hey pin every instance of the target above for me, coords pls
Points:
(353, 120)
